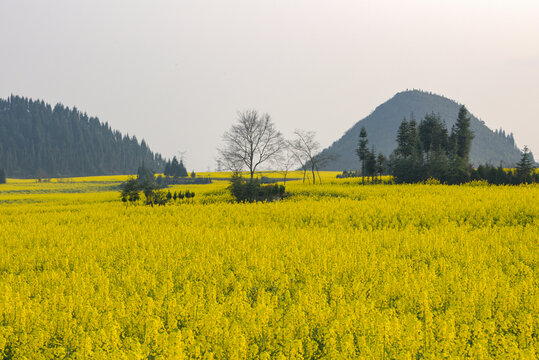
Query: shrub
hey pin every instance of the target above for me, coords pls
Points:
(251, 190)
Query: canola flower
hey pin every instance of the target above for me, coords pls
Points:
(335, 271)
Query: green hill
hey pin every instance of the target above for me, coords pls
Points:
(488, 146)
(37, 140)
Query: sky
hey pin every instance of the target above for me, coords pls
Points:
(175, 73)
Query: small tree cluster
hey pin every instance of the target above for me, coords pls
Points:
(251, 190)
(523, 174)
(175, 168)
(371, 164)
(349, 174)
(427, 150)
(153, 195)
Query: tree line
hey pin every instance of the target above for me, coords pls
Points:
(427, 150)
(146, 184)
(37, 140)
(254, 141)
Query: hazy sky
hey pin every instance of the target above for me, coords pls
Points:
(176, 72)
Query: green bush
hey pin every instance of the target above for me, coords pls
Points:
(251, 190)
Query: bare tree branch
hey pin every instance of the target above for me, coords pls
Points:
(254, 140)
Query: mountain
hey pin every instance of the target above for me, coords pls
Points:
(487, 147)
(37, 140)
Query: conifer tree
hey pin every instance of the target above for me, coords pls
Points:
(381, 165)
(370, 163)
(524, 167)
(362, 150)
(463, 135)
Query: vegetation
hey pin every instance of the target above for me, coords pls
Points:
(2, 176)
(37, 140)
(253, 141)
(333, 271)
(427, 151)
(174, 168)
(147, 184)
(251, 190)
(489, 147)
(306, 150)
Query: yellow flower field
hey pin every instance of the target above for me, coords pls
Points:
(334, 271)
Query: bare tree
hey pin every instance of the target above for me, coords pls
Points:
(286, 161)
(307, 152)
(254, 140)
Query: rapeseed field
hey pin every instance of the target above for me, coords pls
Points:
(333, 271)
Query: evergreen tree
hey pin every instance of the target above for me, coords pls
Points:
(407, 160)
(381, 161)
(182, 171)
(145, 175)
(463, 135)
(2, 176)
(362, 150)
(525, 168)
(402, 139)
(433, 134)
(370, 163)
(39, 140)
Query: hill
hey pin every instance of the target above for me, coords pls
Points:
(488, 146)
(37, 140)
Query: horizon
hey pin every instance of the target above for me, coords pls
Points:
(175, 75)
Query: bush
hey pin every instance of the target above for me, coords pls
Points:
(251, 190)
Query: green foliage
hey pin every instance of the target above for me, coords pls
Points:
(427, 151)
(251, 190)
(525, 168)
(463, 135)
(488, 146)
(175, 168)
(2, 176)
(153, 193)
(500, 176)
(130, 191)
(362, 150)
(40, 141)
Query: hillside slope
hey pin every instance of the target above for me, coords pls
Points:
(487, 147)
(37, 140)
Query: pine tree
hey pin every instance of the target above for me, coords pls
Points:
(370, 163)
(463, 134)
(362, 150)
(524, 167)
(402, 138)
(381, 165)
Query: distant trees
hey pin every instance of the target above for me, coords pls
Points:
(286, 161)
(251, 190)
(2, 176)
(362, 150)
(146, 183)
(428, 151)
(175, 168)
(41, 141)
(252, 141)
(371, 164)
(525, 168)
(306, 150)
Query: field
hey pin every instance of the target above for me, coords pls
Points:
(334, 271)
